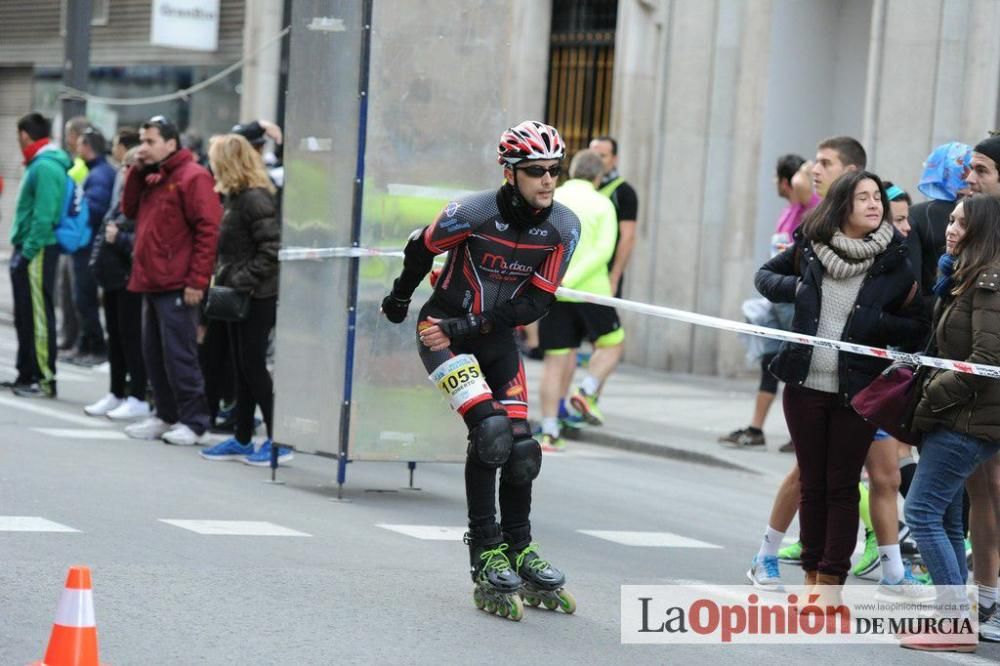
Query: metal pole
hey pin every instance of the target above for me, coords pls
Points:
(76, 63)
(352, 278)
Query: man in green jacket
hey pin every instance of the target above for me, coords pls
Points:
(35, 256)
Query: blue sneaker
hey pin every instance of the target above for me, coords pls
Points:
(230, 449)
(764, 574)
(262, 456)
(908, 588)
(569, 418)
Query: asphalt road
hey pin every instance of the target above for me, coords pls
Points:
(342, 588)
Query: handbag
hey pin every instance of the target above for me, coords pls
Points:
(227, 304)
(890, 401)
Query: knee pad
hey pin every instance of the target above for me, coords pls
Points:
(525, 460)
(490, 441)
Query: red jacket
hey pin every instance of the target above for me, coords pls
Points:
(177, 214)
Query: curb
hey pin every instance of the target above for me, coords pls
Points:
(612, 440)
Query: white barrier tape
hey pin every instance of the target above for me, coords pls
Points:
(700, 319)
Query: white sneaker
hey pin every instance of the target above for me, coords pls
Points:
(151, 428)
(131, 409)
(103, 406)
(181, 435)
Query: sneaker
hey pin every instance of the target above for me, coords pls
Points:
(569, 418)
(750, 438)
(151, 428)
(934, 643)
(986, 613)
(230, 449)
(262, 456)
(791, 554)
(908, 588)
(103, 406)
(870, 558)
(182, 435)
(989, 630)
(764, 574)
(552, 444)
(35, 390)
(587, 406)
(787, 447)
(734, 436)
(86, 360)
(131, 409)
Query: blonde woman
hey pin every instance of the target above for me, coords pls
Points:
(247, 260)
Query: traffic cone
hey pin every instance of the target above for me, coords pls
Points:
(74, 633)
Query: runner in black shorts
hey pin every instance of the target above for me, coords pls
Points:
(568, 324)
(507, 252)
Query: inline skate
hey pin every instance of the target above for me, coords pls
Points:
(497, 585)
(543, 583)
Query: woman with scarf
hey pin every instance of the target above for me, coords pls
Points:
(850, 279)
(959, 413)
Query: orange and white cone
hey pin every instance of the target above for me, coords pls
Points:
(74, 633)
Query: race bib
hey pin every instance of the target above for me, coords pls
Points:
(461, 380)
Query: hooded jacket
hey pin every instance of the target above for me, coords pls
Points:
(40, 201)
(177, 215)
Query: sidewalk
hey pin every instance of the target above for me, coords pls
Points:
(679, 416)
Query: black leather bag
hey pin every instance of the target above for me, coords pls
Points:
(227, 304)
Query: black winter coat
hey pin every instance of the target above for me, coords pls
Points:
(249, 240)
(888, 312)
(112, 262)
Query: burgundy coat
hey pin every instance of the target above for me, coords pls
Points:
(177, 214)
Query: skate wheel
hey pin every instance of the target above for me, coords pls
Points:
(503, 610)
(551, 604)
(567, 602)
(532, 601)
(490, 606)
(516, 610)
(477, 598)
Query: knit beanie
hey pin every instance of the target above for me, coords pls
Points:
(991, 148)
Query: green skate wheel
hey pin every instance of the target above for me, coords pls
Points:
(516, 610)
(477, 598)
(532, 601)
(490, 606)
(567, 602)
(551, 604)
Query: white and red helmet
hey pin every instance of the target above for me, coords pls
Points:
(530, 140)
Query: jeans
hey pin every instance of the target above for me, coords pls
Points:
(831, 443)
(933, 507)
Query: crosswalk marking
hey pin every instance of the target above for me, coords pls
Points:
(28, 405)
(427, 532)
(234, 527)
(648, 539)
(31, 524)
(76, 433)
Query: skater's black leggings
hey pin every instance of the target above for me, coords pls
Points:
(501, 365)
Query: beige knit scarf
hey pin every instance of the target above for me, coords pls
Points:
(846, 257)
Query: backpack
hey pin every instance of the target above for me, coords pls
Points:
(73, 230)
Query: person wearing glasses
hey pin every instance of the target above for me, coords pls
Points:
(508, 250)
(177, 214)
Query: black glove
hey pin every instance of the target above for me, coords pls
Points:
(459, 328)
(395, 308)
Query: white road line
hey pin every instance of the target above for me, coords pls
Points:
(71, 433)
(648, 539)
(427, 532)
(28, 405)
(234, 527)
(31, 524)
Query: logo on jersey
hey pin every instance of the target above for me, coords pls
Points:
(502, 226)
(538, 231)
(494, 263)
(452, 209)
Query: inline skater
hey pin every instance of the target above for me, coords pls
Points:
(507, 252)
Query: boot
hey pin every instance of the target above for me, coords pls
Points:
(810, 580)
(828, 589)
(488, 559)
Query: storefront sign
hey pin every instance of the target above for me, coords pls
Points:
(186, 24)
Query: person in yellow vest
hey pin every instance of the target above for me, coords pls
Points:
(626, 203)
(569, 322)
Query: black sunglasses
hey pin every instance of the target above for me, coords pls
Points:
(536, 171)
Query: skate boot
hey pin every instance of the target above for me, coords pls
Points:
(543, 583)
(496, 583)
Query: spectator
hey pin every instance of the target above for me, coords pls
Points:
(793, 184)
(33, 262)
(626, 203)
(959, 413)
(569, 323)
(257, 133)
(249, 240)
(111, 263)
(97, 187)
(65, 297)
(849, 281)
(177, 216)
